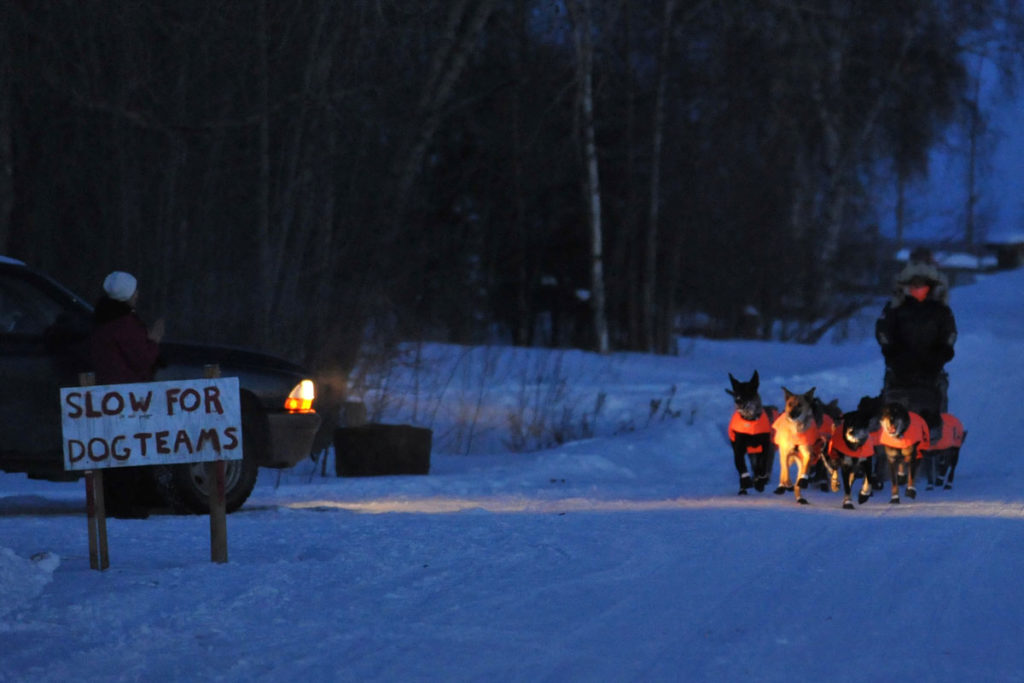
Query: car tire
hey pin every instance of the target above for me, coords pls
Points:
(184, 488)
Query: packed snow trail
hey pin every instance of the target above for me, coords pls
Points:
(622, 557)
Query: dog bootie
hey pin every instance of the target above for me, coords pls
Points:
(759, 483)
(863, 498)
(779, 491)
(745, 482)
(895, 500)
(847, 504)
(911, 492)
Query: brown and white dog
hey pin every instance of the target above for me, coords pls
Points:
(799, 438)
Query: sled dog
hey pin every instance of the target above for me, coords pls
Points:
(904, 435)
(853, 448)
(799, 439)
(750, 433)
(943, 451)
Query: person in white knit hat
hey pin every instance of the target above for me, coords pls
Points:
(122, 348)
(121, 286)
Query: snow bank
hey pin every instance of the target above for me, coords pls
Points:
(21, 580)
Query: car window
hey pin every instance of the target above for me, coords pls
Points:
(24, 308)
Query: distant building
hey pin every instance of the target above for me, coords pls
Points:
(1008, 249)
(959, 265)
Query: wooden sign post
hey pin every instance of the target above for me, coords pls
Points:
(95, 508)
(152, 423)
(215, 493)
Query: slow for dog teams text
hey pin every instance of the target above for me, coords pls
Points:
(155, 423)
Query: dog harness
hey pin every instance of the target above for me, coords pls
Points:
(827, 428)
(740, 425)
(952, 434)
(917, 432)
(809, 436)
(839, 447)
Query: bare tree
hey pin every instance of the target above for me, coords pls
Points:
(975, 131)
(582, 40)
(6, 129)
(650, 315)
(459, 37)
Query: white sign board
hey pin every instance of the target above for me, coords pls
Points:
(151, 423)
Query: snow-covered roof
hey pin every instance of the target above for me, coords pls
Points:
(1006, 237)
(958, 260)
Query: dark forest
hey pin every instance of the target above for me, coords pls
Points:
(311, 176)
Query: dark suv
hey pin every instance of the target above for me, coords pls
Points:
(42, 327)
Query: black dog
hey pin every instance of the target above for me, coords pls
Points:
(943, 452)
(853, 448)
(825, 470)
(904, 434)
(750, 432)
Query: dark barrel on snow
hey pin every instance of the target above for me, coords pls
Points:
(378, 449)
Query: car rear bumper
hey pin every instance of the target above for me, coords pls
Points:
(291, 438)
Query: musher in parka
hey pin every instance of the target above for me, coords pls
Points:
(916, 332)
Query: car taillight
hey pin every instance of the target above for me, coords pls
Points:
(300, 400)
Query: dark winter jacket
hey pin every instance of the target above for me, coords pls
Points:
(120, 348)
(916, 337)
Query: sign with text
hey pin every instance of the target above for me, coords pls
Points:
(151, 423)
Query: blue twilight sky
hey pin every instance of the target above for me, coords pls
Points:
(937, 206)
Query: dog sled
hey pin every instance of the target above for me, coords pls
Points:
(918, 394)
(926, 396)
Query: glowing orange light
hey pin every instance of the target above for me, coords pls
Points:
(300, 400)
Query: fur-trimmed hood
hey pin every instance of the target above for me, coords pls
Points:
(928, 271)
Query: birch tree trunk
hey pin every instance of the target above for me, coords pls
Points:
(974, 131)
(840, 142)
(592, 180)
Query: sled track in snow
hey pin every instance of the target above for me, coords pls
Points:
(878, 506)
(514, 504)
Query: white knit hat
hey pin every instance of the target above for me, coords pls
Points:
(119, 285)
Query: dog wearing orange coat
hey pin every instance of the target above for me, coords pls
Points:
(904, 435)
(943, 451)
(750, 434)
(798, 435)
